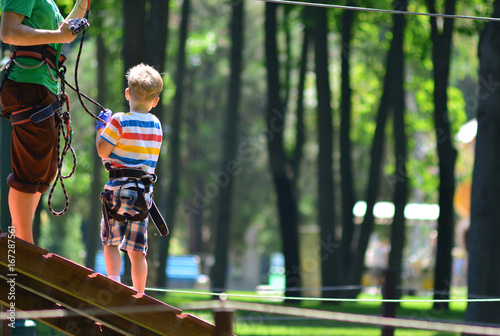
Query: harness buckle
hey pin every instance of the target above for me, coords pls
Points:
(6, 64)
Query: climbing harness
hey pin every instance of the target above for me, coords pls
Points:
(133, 176)
(45, 54)
(34, 114)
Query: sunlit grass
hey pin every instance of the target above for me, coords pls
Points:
(259, 324)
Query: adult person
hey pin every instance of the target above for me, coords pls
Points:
(30, 83)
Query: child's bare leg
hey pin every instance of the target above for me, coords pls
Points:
(113, 261)
(139, 270)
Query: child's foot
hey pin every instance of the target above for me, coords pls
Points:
(115, 278)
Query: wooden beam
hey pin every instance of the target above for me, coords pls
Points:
(79, 289)
(67, 322)
(33, 290)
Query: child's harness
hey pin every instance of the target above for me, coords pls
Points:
(134, 176)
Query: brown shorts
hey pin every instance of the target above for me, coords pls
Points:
(33, 146)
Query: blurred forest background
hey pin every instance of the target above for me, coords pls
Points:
(279, 121)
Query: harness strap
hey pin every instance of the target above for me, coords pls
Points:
(121, 218)
(132, 173)
(147, 179)
(126, 172)
(113, 212)
(34, 114)
(42, 53)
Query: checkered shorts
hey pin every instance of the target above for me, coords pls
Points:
(128, 234)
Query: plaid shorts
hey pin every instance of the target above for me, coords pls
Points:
(128, 234)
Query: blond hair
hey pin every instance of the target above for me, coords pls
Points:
(144, 82)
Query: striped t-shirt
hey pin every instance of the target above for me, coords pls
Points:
(137, 139)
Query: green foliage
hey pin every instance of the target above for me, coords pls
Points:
(63, 236)
(65, 6)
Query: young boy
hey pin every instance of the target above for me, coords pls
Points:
(130, 145)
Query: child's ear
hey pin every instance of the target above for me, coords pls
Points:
(127, 93)
(155, 101)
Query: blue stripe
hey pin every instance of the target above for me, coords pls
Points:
(105, 139)
(132, 162)
(138, 123)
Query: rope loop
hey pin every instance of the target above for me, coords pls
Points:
(66, 132)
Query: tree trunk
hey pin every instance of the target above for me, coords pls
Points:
(484, 249)
(288, 53)
(326, 201)
(299, 126)
(134, 16)
(229, 167)
(346, 182)
(398, 235)
(374, 175)
(174, 147)
(280, 167)
(441, 54)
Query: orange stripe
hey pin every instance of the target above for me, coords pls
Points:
(21, 122)
(23, 110)
(32, 54)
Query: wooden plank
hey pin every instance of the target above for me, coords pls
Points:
(72, 324)
(21, 243)
(195, 326)
(93, 313)
(78, 286)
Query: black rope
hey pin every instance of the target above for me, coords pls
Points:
(65, 131)
(77, 86)
(88, 98)
(314, 4)
(63, 120)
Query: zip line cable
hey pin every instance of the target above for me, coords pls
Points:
(225, 295)
(389, 11)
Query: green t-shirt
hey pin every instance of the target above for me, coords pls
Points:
(39, 14)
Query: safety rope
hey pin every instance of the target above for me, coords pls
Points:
(225, 296)
(64, 125)
(64, 130)
(77, 64)
(389, 11)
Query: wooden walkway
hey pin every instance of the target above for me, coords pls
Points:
(87, 303)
